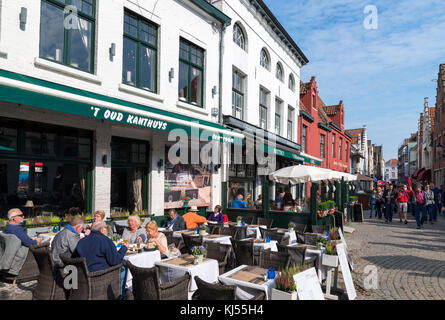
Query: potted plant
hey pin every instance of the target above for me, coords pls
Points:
(198, 253)
(202, 230)
(321, 242)
(291, 226)
(186, 201)
(239, 220)
(330, 258)
(285, 287)
(334, 234)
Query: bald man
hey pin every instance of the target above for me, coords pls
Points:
(15, 217)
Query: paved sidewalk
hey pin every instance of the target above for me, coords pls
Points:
(410, 262)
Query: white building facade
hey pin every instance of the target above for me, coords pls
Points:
(88, 99)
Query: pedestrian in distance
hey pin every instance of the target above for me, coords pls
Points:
(372, 203)
(403, 196)
(429, 203)
(419, 202)
(437, 197)
(380, 204)
(390, 199)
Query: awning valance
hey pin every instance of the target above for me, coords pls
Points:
(24, 90)
(290, 155)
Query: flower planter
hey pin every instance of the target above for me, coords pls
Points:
(291, 229)
(202, 232)
(199, 259)
(330, 261)
(281, 295)
(238, 223)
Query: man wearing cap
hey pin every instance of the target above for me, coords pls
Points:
(192, 219)
(15, 217)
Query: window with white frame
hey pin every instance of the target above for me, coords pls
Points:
(290, 123)
(280, 73)
(264, 59)
(291, 82)
(238, 36)
(322, 145)
(340, 141)
(237, 95)
(263, 109)
(303, 138)
(278, 104)
(333, 145)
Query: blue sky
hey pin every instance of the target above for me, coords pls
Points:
(381, 75)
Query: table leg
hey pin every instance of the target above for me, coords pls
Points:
(328, 294)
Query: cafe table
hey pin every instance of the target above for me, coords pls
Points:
(173, 268)
(249, 281)
(259, 244)
(144, 259)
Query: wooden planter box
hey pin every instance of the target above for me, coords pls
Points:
(281, 295)
(330, 261)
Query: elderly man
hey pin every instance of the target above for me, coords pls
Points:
(98, 250)
(239, 203)
(175, 222)
(15, 217)
(192, 219)
(65, 241)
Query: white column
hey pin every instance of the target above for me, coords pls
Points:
(157, 175)
(102, 172)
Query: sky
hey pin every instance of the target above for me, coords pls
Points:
(382, 75)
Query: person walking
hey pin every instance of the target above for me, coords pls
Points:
(380, 205)
(437, 197)
(419, 203)
(411, 206)
(389, 197)
(429, 203)
(372, 203)
(402, 200)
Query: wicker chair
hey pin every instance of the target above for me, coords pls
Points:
(297, 253)
(119, 229)
(265, 222)
(219, 252)
(50, 283)
(191, 241)
(320, 229)
(248, 220)
(300, 227)
(243, 251)
(147, 286)
(227, 231)
(238, 232)
(29, 271)
(215, 228)
(276, 260)
(300, 237)
(311, 238)
(217, 291)
(98, 285)
(274, 235)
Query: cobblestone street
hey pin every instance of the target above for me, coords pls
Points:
(410, 262)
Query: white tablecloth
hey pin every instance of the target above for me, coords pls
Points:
(144, 260)
(47, 237)
(207, 271)
(246, 290)
(272, 245)
(223, 240)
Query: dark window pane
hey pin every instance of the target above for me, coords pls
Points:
(183, 80)
(184, 51)
(51, 32)
(80, 46)
(129, 62)
(84, 6)
(147, 68)
(196, 94)
(70, 146)
(8, 136)
(32, 143)
(84, 151)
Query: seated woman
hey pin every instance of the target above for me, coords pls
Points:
(156, 238)
(216, 215)
(98, 216)
(134, 230)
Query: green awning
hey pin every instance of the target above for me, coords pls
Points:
(24, 90)
(5, 149)
(289, 155)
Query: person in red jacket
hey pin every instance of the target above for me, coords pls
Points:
(403, 195)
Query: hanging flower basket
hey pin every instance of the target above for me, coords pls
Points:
(325, 213)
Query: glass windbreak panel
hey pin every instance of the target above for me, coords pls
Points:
(80, 44)
(183, 81)
(56, 188)
(51, 32)
(129, 62)
(147, 68)
(244, 188)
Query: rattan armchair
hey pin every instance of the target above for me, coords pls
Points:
(276, 260)
(215, 228)
(98, 285)
(311, 238)
(320, 228)
(274, 235)
(296, 253)
(219, 252)
(50, 282)
(238, 232)
(119, 228)
(299, 227)
(147, 286)
(265, 222)
(218, 291)
(243, 251)
(248, 220)
(190, 242)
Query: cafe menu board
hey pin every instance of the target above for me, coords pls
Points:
(350, 289)
(308, 285)
(350, 261)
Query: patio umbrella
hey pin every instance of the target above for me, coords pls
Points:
(301, 174)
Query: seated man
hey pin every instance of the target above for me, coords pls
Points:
(192, 219)
(14, 226)
(65, 241)
(98, 250)
(175, 222)
(239, 203)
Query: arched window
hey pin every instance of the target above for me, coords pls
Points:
(291, 82)
(279, 73)
(238, 36)
(264, 59)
